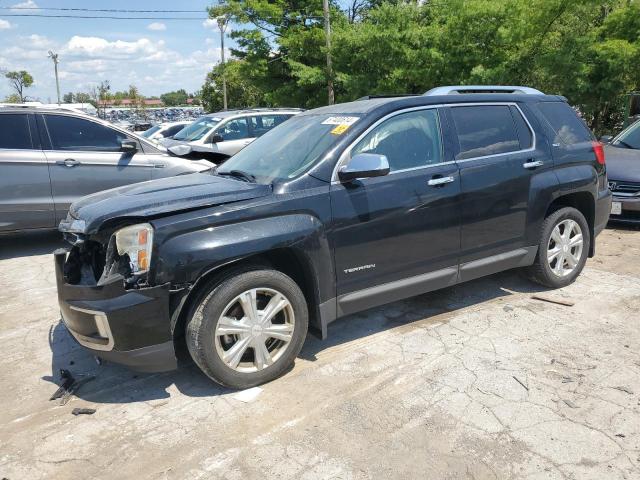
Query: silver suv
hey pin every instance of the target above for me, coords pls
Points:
(218, 136)
(49, 157)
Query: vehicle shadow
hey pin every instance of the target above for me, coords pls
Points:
(117, 384)
(29, 244)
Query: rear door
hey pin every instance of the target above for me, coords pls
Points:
(25, 188)
(497, 158)
(84, 157)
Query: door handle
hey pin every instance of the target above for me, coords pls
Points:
(68, 162)
(435, 182)
(533, 164)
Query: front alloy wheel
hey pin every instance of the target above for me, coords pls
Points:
(254, 330)
(248, 327)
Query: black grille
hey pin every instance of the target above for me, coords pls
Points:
(624, 187)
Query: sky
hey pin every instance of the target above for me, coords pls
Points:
(155, 55)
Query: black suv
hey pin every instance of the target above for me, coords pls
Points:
(335, 211)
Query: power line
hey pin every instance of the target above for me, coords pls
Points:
(106, 17)
(113, 10)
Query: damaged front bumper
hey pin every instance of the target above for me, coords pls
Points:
(126, 326)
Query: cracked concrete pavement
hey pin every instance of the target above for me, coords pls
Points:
(478, 381)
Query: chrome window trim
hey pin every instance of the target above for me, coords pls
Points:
(345, 154)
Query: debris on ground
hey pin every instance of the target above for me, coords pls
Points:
(69, 386)
(518, 380)
(248, 395)
(624, 389)
(569, 403)
(558, 301)
(83, 411)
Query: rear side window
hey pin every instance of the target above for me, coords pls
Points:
(485, 130)
(569, 128)
(14, 131)
(78, 134)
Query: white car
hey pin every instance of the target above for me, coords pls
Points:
(218, 136)
(164, 130)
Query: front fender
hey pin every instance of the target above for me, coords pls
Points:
(184, 258)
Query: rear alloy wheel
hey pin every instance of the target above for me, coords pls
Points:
(248, 328)
(563, 250)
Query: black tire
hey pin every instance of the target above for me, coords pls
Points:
(541, 272)
(207, 310)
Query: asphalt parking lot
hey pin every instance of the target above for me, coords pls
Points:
(479, 381)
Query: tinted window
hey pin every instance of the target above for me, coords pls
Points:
(569, 128)
(234, 129)
(171, 131)
(261, 124)
(408, 140)
(629, 138)
(71, 133)
(485, 130)
(524, 132)
(14, 131)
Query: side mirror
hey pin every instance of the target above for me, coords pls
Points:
(216, 138)
(606, 138)
(128, 146)
(364, 165)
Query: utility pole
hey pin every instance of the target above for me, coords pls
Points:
(222, 25)
(54, 57)
(327, 34)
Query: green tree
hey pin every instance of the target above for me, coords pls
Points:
(19, 80)
(68, 97)
(172, 99)
(13, 98)
(241, 90)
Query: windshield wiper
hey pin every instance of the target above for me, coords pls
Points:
(247, 177)
(624, 144)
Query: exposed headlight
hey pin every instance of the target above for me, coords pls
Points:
(136, 241)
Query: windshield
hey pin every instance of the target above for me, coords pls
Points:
(629, 138)
(289, 149)
(151, 131)
(197, 129)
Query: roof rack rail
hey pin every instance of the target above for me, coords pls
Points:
(462, 89)
(391, 95)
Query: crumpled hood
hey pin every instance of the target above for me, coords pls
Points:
(157, 197)
(623, 164)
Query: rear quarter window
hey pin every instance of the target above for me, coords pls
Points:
(569, 128)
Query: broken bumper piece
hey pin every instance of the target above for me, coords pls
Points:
(130, 327)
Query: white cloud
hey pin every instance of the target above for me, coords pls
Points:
(102, 48)
(157, 26)
(4, 25)
(210, 23)
(27, 4)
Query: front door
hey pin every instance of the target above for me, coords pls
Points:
(235, 135)
(84, 157)
(398, 235)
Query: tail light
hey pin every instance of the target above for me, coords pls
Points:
(598, 149)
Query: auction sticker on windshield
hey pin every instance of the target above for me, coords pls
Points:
(341, 123)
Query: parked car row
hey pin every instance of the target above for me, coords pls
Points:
(623, 169)
(50, 157)
(333, 211)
